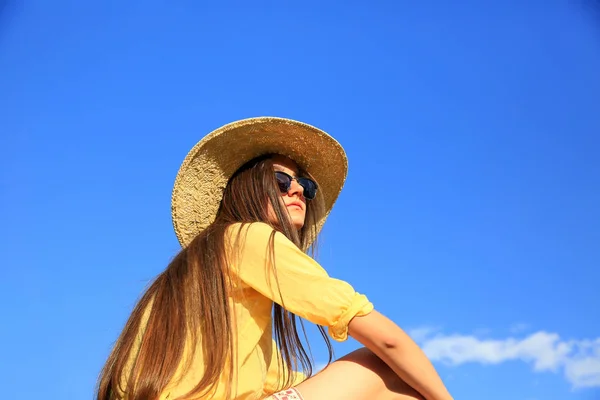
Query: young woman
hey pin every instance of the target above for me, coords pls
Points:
(220, 321)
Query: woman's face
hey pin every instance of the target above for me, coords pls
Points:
(293, 200)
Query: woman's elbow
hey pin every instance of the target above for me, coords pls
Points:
(374, 329)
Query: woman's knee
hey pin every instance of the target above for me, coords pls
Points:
(358, 375)
(372, 362)
(366, 358)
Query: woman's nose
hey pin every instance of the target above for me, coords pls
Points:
(295, 188)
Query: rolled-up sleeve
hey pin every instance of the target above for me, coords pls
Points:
(293, 279)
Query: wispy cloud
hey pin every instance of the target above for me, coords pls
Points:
(577, 360)
(421, 334)
(519, 328)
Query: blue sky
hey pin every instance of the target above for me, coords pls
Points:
(470, 214)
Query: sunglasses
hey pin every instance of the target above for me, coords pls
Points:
(284, 181)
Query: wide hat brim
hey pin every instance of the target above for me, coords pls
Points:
(209, 165)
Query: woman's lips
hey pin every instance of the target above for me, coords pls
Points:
(297, 205)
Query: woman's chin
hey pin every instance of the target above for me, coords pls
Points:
(298, 224)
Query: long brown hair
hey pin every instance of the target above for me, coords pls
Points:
(189, 301)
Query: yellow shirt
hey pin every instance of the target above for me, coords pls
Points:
(306, 290)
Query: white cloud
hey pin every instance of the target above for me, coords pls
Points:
(577, 360)
(420, 334)
(584, 369)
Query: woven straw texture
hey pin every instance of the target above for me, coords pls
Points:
(208, 166)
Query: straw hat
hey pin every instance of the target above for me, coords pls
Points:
(209, 165)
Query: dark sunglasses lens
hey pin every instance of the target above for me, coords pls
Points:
(283, 181)
(310, 188)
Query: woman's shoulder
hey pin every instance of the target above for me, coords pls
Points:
(251, 231)
(247, 226)
(255, 236)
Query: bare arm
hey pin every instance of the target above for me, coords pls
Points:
(390, 343)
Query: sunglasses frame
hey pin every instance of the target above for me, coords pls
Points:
(299, 180)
